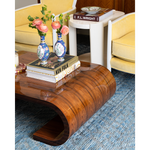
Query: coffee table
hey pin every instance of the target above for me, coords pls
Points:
(75, 98)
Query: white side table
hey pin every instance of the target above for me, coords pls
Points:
(97, 34)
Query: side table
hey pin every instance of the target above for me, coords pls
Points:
(98, 37)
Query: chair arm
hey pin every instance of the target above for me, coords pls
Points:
(21, 15)
(109, 34)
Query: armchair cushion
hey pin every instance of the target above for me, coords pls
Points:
(124, 47)
(122, 65)
(26, 35)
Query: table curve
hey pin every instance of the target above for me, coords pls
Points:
(78, 100)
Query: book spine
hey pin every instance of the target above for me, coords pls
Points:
(87, 18)
(67, 71)
(65, 65)
(51, 78)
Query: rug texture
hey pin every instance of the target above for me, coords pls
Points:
(112, 127)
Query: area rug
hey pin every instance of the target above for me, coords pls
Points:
(112, 127)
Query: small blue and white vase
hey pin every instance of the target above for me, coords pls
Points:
(60, 48)
(43, 51)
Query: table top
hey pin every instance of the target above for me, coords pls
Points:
(86, 24)
(24, 84)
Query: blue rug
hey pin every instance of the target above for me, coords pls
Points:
(112, 127)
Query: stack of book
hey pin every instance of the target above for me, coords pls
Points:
(99, 16)
(54, 70)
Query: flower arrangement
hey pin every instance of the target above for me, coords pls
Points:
(38, 23)
(58, 25)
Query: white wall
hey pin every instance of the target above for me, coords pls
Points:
(23, 3)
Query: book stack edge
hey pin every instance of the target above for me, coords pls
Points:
(54, 70)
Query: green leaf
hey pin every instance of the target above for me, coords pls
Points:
(44, 21)
(36, 17)
(61, 22)
(49, 11)
(30, 25)
(42, 18)
(60, 18)
(43, 12)
(41, 33)
(30, 18)
(44, 8)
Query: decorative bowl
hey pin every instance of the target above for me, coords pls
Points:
(91, 9)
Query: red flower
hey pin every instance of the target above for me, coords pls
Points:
(56, 25)
(64, 30)
(36, 22)
(42, 27)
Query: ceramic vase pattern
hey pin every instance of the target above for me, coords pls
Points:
(60, 48)
(43, 51)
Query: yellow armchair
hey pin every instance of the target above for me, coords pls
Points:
(121, 44)
(26, 38)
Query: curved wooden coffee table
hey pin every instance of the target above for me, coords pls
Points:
(75, 101)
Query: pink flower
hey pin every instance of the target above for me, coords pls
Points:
(37, 22)
(56, 25)
(64, 30)
(42, 27)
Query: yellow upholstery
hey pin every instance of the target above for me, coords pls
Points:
(122, 65)
(124, 47)
(27, 47)
(58, 6)
(30, 36)
(122, 44)
(123, 26)
(27, 38)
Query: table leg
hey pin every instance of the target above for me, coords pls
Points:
(72, 41)
(97, 43)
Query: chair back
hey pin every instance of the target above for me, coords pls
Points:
(58, 6)
(123, 26)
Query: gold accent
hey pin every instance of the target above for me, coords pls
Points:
(44, 62)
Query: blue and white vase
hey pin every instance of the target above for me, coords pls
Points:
(43, 51)
(60, 48)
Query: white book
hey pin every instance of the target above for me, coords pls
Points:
(52, 78)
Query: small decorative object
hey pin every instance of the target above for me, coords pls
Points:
(20, 68)
(16, 59)
(60, 47)
(39, 24)
(43, 51)
(91, 9)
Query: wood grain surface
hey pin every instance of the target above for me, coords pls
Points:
(75, 101)
(126, 6)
